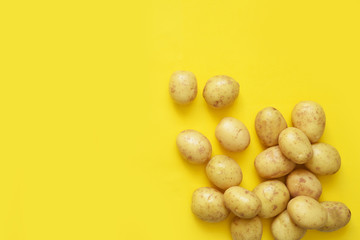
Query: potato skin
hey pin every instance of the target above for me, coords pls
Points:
(232, 134)
(220, 91)
(271, 163)
(338, 216)
(269, 122)
(310, 118)
(242, 202)
(183, 87)
(283, 228)
(302, 182)
(208, 205)
(246, 229)
(326, 159)
(295, 145)
(194, 146)
(224, 172)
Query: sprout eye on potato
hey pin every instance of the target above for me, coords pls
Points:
(183, 87)
(246, 229)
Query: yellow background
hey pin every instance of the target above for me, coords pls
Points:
(87, 127)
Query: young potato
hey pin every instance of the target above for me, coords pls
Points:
(193, 146)
(338, 216)
(271, 163)
(242, 202)
(326, 159)
(295, 145)
(220, 91)
(246, 229)
(269, 122)
(283, 228)
(232, 134)
(208, 205)
(307, 213)
(183, 87)
(301, 182)
(224, 172)
(310, 118)
(274, 197)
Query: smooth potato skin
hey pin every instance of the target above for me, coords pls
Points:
(246, 229)
(338, 216)
(283, 228)
(302, 182)
(326, 159)
(220, 91)
(183, 87)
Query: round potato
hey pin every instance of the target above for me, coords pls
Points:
(283, 228)
(232, 134)
(338, 216)
(246, 229)
(326, 159)
(274, 197)
(208, 205)
(271, 163)
(295, 145)
(220, 91)
(310, 118)
(242, 202)
(301, 182)
(183, 87)
(224, 172)
(307, 213)
(193, 146)
(269, 122)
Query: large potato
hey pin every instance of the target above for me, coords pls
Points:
(326, 159)
(303, 183)
(271, 163)
(246, 229)
(283, 228)
(295, 145)
(224, 172)
(208, 205)
(274, 197)
(232, 134)
(183, 87)
(338, 216)
(193, 146)
(269, 122)
(310, 118)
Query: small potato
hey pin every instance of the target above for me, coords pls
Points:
(307, 213)
(269, 122)
(232, 134)
(295, 145)
(326, 159)
(271, 163)
(310, 118)
(220, 91)
(242, 202)
(246, 229)
(193, 146)
(283, 228)
(224, 172)
(208, 205)
(338, 216)
(301, 182)
(183, 87)
(274, 197)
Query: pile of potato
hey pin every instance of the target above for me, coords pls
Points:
(293, 152)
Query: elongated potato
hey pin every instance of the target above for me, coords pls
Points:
(183, 87)
(338, 216)
(220, 91)
(326, 159)
(246, 229)
(283, 228)
(302, 182)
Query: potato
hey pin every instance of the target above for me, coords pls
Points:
(271, 163)
(246, 229)
(269, 122)
(224, 172)
(208, 205)
(283, 228)
(310, 118)
(307, 213)
(183, 87)
(338, 216)
(232, 134)
(242, 202)
(295, 145)
(326, 159)
(274, 197)
(220, 91)
(301, 182)
(193, 146)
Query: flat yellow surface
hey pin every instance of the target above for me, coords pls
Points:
(87, 127)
